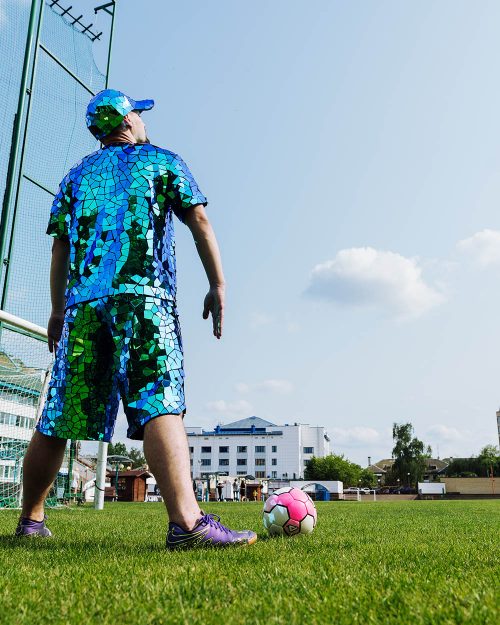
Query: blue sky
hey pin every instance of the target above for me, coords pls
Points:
(350, 156)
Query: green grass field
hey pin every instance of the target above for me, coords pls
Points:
(431, 562)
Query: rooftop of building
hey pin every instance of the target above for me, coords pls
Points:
(382, 466)
(249, 425)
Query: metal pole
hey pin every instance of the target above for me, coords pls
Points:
(103, 447)
(100, 480)
(110, 42)
(29, 91)
(72, 445)
(16, 133)
(116, 481)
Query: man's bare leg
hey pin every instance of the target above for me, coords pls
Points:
(42, 461)
(167, 453)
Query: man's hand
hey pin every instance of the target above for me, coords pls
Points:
(214, 303)
(54, 329)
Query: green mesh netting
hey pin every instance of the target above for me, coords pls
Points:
(56, 138)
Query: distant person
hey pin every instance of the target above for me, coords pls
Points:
(242, 490)
(219, 491)
(114, 327)
(255, 493)
(264, 491)
(236, 491)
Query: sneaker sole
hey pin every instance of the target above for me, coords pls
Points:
(207, 545)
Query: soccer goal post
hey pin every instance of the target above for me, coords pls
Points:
(354, 494)
(24, 379)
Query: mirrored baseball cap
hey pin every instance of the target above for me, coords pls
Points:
(106, 111)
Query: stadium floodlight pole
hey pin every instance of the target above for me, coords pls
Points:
(103, 447)
(36, 7)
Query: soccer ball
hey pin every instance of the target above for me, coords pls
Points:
(289, 511)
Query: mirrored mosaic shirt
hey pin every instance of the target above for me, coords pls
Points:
(116, 208)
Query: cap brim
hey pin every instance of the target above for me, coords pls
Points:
(142, 105)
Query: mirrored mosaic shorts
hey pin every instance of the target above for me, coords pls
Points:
(121, 346)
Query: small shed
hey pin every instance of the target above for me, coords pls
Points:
(253, 491)
(132, 484)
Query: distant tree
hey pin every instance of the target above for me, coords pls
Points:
(117, 449)
(476, 466)
(368, 479)
(137, 457)
(409, 455)
(333, 467)
(489, 458)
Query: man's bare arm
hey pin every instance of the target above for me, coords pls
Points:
(59, 274)
(58, 281)
(206, 244)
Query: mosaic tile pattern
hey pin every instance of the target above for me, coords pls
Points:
(106, 111)
(116, 206)
(125, 346)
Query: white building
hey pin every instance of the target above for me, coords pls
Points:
(20, 388)
(17, 420)
(256, 447)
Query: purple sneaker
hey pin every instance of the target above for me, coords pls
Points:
(208, 532)
(28, 527)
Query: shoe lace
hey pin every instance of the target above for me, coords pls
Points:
(214, 521)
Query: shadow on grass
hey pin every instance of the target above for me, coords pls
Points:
(59, 543)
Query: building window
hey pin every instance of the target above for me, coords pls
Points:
(260, 462)
(223, 450)
(260, 449)
(205, 462)
(241, 449)
(274, 449)
(274, 462)
(191, 449)
(223, 462)
(191, 461)
(206, 450)
(260, 474)
(241, 472)
(308, 450)
(241, 462)
(306, 462)
(274, 474)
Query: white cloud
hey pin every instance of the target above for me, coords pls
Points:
(241, 387)
(354, 436)
(442, 432)
(483, 247)
(369, 277)
(449, 441)
(271, 385)
(275, 386)
(232, 409)
(258, 319)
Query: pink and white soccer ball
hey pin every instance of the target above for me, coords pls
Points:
(288, 512)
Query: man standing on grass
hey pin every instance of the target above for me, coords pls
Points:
(114, 327)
